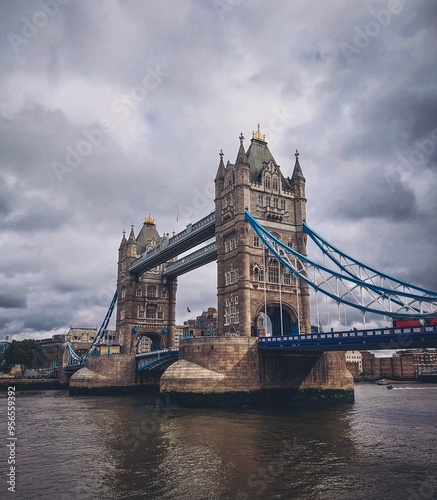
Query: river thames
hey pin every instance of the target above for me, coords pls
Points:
(383, 446)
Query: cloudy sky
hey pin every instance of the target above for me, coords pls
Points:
(112, 109)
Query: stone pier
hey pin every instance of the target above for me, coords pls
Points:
(231, 371)
(105, 374)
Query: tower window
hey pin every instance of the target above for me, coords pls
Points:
(138, 292)
(150, 313)
(256, 243)
(275, 202)
(260, 199)
(267, 182)
(268, 201)
(140, 313)
(273, 273)
(151, 292)
(287, 279)
(283, 204)
(275, 184)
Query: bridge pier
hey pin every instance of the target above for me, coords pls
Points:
(105, 373)
(232, 371)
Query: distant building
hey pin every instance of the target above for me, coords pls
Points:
(203, 326)
(354, 362)
(403, 364)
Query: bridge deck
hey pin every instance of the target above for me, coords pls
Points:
(373, 339)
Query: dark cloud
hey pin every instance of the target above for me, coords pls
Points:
(364, 123)
(12, 299)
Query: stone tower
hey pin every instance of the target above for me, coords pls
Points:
(250, 281)
(146, 304)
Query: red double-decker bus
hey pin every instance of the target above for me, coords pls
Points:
(405, 323)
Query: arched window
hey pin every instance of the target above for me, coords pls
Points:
(267, 182)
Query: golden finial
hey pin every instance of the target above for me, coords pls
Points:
(149, 220)
(258, 135)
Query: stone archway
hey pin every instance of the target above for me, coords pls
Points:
(157, 341)
(273, 324)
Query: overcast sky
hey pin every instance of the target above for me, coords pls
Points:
(113, 109)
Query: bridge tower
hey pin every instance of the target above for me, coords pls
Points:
(251, 282)
(146, 305)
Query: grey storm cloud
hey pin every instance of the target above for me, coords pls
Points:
(113, 109)
(13, 299)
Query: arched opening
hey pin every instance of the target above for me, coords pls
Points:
(147, 342)
(272, 324)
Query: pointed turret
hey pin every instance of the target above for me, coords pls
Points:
(221, 168)
(297, 172)
(131, 245)
(241, 156)
(131, 240)
(123, 242)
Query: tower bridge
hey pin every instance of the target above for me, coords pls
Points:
(259, 239)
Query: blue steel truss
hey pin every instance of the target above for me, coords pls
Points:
(357, 269)
(103, 327)
(391, 297)
(146, 360)
(74, 358)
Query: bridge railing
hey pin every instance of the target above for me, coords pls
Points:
(378, 334)
(151, 354)
(149, 358)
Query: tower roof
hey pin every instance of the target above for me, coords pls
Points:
(147, 234)
(257, 154)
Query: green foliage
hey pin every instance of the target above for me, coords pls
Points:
(26, 353)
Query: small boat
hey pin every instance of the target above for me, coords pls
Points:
(381, 382)
(389, 386)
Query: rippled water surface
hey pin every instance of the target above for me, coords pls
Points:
(384, 446)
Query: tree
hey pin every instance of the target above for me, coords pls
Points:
(26, 353)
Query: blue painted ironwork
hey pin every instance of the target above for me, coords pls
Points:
(75, 360)
(103, 327)
(372, 339)
(192, 261)
(347, 264)
(349, 289)
(147, 359)
(193, 235)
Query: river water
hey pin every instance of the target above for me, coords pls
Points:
(383, 446)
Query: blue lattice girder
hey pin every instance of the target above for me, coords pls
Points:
(348, 288)
(356, 268)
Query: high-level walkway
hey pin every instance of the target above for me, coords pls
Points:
(193, 235)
